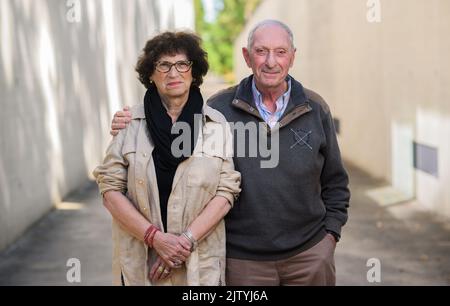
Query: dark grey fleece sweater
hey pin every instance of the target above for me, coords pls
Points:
(287, 209)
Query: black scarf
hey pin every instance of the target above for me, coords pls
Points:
(160, 125)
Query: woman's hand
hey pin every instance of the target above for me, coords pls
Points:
(159, 271)
(186, 243)
(172, 249)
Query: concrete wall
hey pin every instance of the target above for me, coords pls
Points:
(387, 82)
(65, 68)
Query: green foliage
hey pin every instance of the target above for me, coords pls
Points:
(219, 36)
(199, 16)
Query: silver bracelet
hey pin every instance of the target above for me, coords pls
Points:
(188, 234)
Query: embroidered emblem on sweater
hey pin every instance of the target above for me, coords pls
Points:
(301, 138)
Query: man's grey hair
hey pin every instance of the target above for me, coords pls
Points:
(251, 36)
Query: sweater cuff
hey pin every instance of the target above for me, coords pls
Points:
(333, 225)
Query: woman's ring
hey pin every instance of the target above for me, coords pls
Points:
(160, 269)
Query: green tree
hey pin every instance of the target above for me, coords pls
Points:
(199, 16)
(219, 36)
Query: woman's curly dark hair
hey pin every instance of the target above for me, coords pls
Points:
(172, 43)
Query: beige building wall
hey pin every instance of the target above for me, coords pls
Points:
(65, 68)
(384, 68)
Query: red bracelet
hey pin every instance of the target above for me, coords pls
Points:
(150, 234)
(147, 233)
(150, 238)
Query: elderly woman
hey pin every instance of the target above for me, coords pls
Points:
(168, 179)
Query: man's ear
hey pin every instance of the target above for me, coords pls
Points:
(293, 57)
(246, 55)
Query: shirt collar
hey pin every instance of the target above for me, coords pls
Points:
(257, 96)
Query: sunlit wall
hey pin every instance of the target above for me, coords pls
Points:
(65, 68)
(384, 68)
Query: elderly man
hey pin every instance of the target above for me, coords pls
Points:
(284, 228)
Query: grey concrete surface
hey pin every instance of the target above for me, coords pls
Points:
(80, 229)
(413, 250)
(412, 246)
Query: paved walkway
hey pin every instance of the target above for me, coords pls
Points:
(413, 247)
(79, 229)
(413, 250)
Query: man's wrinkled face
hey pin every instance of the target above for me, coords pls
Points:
(270, 57)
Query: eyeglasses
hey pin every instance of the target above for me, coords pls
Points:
(181, 66)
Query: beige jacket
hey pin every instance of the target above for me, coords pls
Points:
(128, 167)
